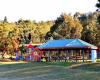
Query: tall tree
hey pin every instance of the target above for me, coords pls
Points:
(65, 27)
(98, 5)
(5, 19)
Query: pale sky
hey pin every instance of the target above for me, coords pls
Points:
(43, 9)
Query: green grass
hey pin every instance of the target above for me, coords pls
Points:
(49, 71)
(89, 67)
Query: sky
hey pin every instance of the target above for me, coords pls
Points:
(43, 9)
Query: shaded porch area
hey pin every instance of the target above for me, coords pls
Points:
(67, 55)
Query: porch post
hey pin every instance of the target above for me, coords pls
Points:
(49, 56)
(93, 55)
(83, 55)
(59, 55)
(76, 55)
(65, 55)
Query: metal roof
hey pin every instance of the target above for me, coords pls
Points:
(66, 43)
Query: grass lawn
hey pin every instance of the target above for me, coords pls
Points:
(49, 71)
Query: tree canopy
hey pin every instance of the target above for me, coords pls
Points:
(84, 26)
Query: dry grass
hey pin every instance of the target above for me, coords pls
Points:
(49, 71)
(4, 63)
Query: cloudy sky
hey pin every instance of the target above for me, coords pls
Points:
(43, 9)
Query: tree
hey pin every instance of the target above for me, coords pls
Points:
(65, 27)
(98, 5)
(98, 36)
(90, 30)
(5, 19)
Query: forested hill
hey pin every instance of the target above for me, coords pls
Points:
(83, 26)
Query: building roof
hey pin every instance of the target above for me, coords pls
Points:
(66, 43)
